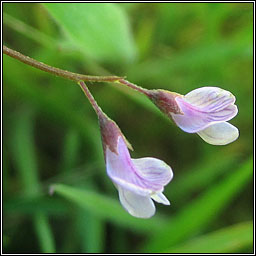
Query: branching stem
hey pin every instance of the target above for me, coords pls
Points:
(70, 75)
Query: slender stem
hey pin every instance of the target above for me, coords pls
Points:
(134, 86)
(56, 71)
(70, 75)
(93, 102)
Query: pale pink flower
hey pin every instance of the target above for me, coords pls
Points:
(138, 180)
(204, 111)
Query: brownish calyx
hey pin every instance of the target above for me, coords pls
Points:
(110, 133)
(165, 101)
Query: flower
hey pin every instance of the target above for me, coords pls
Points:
(138, 180)
(204, 111)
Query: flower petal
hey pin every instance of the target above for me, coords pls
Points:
(122, 171)
(197, 118)
(137, 205)
(210, 98)
(154, 170)
(219, 134)
(160, 198)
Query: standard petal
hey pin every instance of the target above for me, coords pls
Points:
(197, 118)
(210, 98)
(153, 170)
(160, 198)
(219, 133)
(137, 205)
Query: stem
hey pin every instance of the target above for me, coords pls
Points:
(70, 75)
(93, 102)
(134, 86)
(56, 71)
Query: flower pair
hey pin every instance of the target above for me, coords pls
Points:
(204, 111)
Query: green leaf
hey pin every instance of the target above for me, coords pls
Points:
(203, 210)
(107, 208)
(101, 31)
(227, 240)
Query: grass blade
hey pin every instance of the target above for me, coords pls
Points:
(107, 208)
(227, 240)
(44, 233)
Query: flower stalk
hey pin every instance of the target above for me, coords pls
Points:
(57, 71)
(71, 75)
(93, 102)
(135, 87)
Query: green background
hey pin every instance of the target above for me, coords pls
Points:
(52, 140)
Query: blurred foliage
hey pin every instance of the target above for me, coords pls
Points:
(52, 141)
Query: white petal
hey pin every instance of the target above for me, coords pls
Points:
(219, 133)
(160, 198)
(137, 205)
